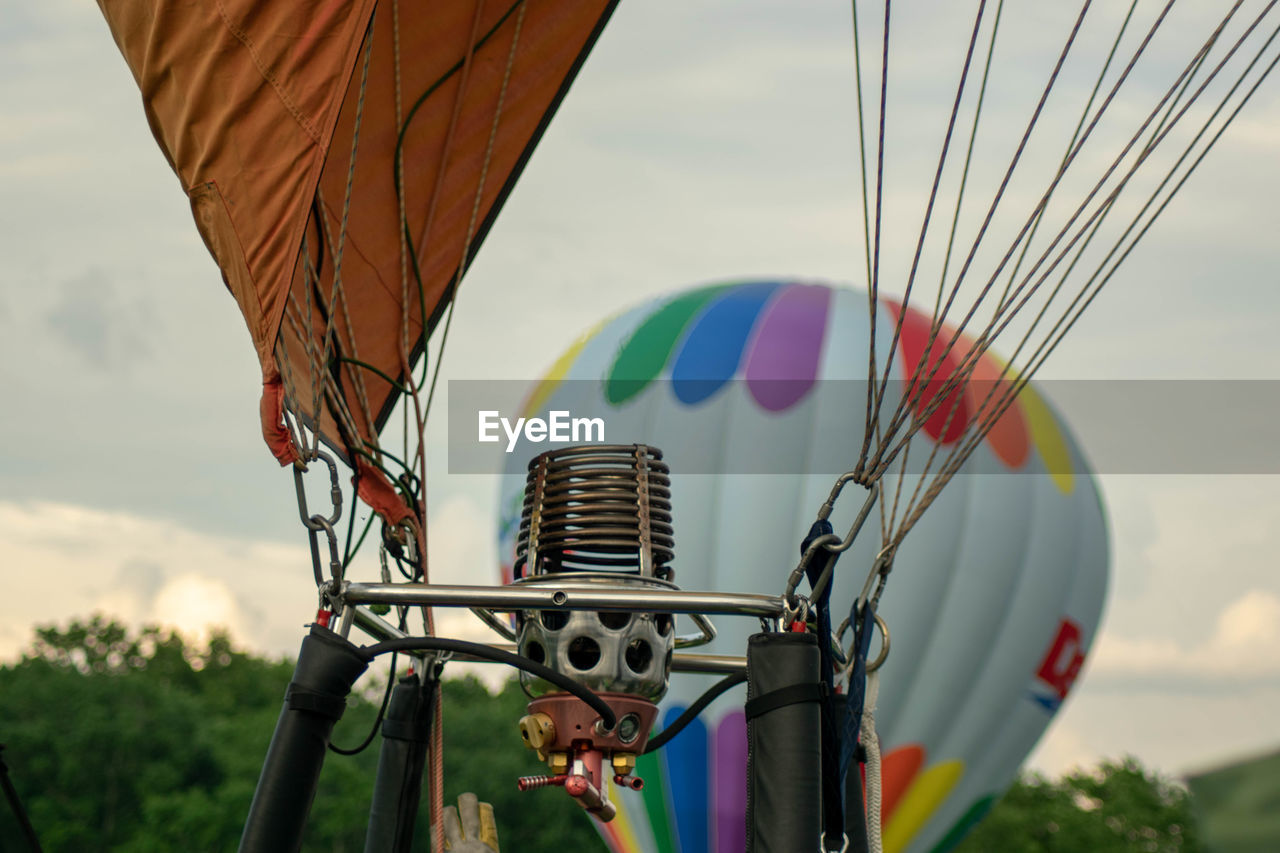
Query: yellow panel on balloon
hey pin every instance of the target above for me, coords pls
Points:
(920, 802)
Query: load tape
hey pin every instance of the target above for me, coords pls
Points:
(792, 694)
(299, 698)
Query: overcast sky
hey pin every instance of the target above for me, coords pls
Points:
(703, 141)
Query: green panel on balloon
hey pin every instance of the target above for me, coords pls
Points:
(967, 821)
(647, 351)
(649, 768)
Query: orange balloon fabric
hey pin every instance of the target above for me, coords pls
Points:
(285, 119)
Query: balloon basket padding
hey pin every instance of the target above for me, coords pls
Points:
(784, 756)
(328, 666)
(406, 733)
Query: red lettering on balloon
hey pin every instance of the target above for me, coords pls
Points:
(1062, 664)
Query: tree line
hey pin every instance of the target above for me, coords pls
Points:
(141, 742)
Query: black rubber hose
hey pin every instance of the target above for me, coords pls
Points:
(665, 736)
(480, 650)
(377, 721)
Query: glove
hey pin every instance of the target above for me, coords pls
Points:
(470, 828)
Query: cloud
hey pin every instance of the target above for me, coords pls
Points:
(64, 561)
(461, 543)
(94, 321)
(1171, 730)
(198, 605)
(1063, 749)
(1244, 649)
(463, 551)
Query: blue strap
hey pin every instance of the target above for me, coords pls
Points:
(864, 621)
(832, 773)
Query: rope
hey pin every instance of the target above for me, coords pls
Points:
(1058, 261)
(400, 197)
(1071, 146)
(871, 743)
(1093, 284)
(875, 265)
(968, 158)
(286, 373)
(356, 376)
(475, 207)
(436, 757)
(462, 263)
(1004, 310)
(310, 278)
(866, 235)
(1072, 313)
(879, 462)
(421, 413)
(928, 215)
(942, 158)
(936, 322)
(346, 210)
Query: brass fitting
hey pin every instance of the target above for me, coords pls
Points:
(538, 731)
(558, 762)
(624, 763)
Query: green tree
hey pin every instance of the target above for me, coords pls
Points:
(1119, 807)
(140, 742)
(90, 734)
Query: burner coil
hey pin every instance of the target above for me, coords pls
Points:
(597, 508)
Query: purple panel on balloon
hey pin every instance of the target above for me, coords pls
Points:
(729, 758)
(783, 363)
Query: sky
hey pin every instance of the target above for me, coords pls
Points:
(702, 142)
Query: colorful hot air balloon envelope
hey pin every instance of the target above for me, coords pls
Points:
(995, 596)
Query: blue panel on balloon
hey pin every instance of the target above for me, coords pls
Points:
(712, 349)
(687, 759)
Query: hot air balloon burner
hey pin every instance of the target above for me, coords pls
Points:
(595, 517)
(598, 517)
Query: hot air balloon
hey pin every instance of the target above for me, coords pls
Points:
(996, 595)
(344, 160)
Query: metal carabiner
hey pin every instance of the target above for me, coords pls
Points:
(830, 541)
(880, 568)
(335, 562)
(315, 523)
(335, 492)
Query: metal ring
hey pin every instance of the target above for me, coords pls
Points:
(884, 647)
(879, 660)
(837, 643)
